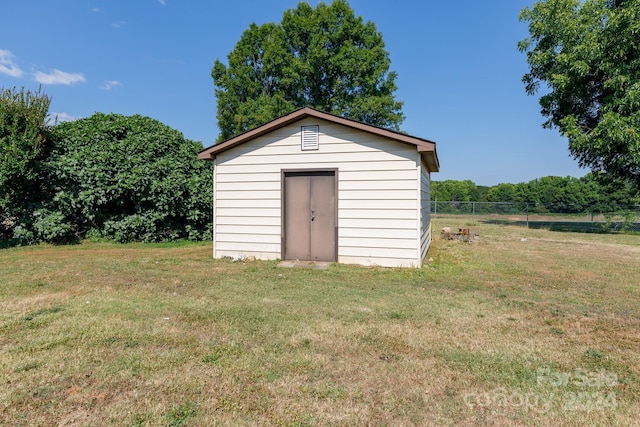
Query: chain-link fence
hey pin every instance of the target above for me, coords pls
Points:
(560, 217)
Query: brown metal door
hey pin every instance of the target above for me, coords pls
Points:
(297, 232)
(310, 216)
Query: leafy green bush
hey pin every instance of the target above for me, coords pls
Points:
(127, 178)
(24, 143)
(52, 227)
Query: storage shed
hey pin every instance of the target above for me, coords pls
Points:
(318, 187)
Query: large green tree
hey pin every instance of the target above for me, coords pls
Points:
(327, 58)
(23, 147)
(585, 56)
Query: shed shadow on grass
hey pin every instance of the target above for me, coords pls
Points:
(566, 226)
(15, 243)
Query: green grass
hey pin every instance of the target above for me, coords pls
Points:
(105, 334)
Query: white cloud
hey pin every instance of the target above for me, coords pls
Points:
(119, 24)
(57, 77)
(96, 10)
(162, 2)
(7, 66)
(61, 117)
(110, 84)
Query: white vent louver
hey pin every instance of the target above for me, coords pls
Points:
(310, 139)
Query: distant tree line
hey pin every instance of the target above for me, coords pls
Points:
(558, 194)
(108, 176)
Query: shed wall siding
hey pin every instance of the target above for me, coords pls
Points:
(377, 186)
(425, 211)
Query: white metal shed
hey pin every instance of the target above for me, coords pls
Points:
(314, 186)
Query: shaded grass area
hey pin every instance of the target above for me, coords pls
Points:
(627, 223)
(523, 327)
(553, 225)
(569, 226)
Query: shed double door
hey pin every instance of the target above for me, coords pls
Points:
(310, 216)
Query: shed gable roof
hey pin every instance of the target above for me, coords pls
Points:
(426, 148)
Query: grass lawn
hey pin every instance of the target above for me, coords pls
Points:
(523, 327)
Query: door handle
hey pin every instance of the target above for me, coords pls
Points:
(313, 214)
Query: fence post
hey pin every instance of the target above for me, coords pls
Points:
(435, 201)
(527, 210)
(473, 212)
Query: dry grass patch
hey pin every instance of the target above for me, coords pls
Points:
(504, 331)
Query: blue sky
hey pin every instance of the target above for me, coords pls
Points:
(459, 72)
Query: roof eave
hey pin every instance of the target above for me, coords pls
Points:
(426, 148)
(430, 157)
(210, 152)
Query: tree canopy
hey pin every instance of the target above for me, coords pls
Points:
(327, 58)
(586, 53)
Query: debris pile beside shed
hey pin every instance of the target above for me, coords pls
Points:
(464, 234)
